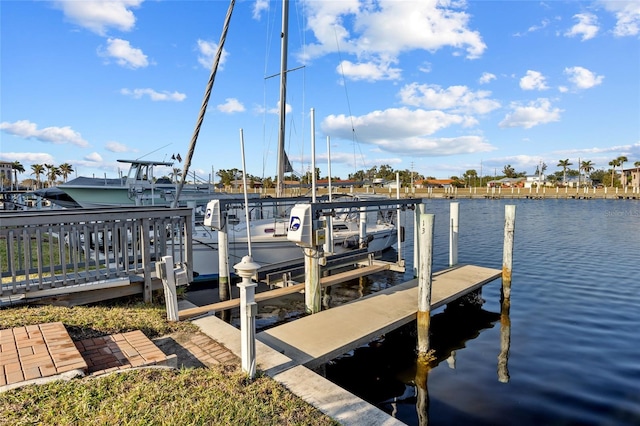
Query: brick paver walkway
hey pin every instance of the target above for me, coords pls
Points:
(120, 351)
(46, 350)
(37, 351)
(208, 351)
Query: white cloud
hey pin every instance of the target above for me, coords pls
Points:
(394, 122)
(486, 77)
(94, 157)
(57, 135)
(124, 54)
(385, 29)
(258, 7)
(99, 15)
(587, 26)
(543, 24)
(627, 15)
(207, 54)
(536, 112)
(405, 131)
(231, 105)
(534, 80)
(582, 78)
(28, 157)
(369, 71)
(455, 98)
(153, 95)
(117, 147)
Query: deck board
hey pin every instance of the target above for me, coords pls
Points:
(283, 291)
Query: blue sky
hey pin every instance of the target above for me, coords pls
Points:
(438, 87)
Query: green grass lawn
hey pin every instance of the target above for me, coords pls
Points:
(220, 395)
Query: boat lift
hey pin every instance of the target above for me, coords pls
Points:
(310, 230)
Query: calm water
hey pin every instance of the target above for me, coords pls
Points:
(574, 337)
(566, 352)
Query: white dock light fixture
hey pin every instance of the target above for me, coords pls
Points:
(212, 216)
(300, 226)
(247, 268)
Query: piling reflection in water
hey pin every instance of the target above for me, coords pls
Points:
(387, 372)
(505, 340)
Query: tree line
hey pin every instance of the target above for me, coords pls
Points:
(384, 172)
(49, 171)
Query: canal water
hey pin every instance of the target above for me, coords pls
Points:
(565, 352)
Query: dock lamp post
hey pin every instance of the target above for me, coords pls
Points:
(246, 269)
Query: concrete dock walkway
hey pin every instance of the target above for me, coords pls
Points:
(316, 339)
(286, 352)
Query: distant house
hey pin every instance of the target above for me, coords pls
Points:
(572, 181)
(506, 182)
(434, 183)
(336, 183)
(6, 174)
(535, 180)
(635, 177)
(239, 183)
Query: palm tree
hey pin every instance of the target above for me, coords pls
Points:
(65, 170)
(636, 164)
(565, 165)
(38, 169)
(622, 159)
(17, 168)
(587, 166)
(613, 163)
(52, 173)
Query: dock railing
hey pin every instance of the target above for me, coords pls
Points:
(83, 249)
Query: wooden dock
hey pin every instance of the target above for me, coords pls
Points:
(316, 339)
(283, 291)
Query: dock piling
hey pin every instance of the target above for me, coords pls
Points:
(507, 255)
(453, 234)
(223, 266)
(420, 209)
(166, 272)
(312, 288)
(425, 237)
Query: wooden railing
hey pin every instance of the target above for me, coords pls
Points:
(69, 249)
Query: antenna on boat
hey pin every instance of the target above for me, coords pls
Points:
(244, 188)
(156, 150)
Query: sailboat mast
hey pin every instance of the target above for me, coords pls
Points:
(283, 96)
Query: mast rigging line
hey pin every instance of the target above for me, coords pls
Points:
(346, 92)
(205, 102)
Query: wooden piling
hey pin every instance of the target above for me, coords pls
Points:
(454, 209)
(312, 288)
(507, 255)
(146, 260)
(420, 209)
(224, 292)
(425, 236)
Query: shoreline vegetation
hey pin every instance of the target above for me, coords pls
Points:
(219, 394)
(469, 192)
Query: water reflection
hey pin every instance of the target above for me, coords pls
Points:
(387, 372)
(505, 340)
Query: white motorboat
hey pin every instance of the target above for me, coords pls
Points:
(138, 188)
